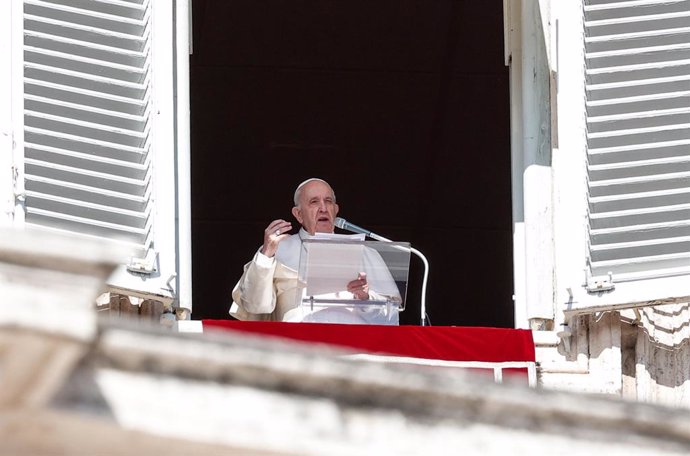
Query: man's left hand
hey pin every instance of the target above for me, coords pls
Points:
(359, 287)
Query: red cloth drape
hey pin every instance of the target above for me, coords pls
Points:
(449, 343)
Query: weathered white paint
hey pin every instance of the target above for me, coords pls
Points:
(593, 363)
(549, 32)
(17, 84)
(6, 194)
(629, 295)
(666, 325)
(537, 188)
(569, 164)
(531, 166)
(639, 356)
(512, 29)
(183, 190)
(662, 372)
(164, 144)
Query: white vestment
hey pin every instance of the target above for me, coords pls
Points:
(269, 290)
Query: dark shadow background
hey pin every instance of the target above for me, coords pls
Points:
(402, 105)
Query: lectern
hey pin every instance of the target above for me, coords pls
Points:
(328, 264)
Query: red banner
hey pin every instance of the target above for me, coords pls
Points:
(449, 343)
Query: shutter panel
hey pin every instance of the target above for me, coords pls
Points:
(638, 137)
(87, 109)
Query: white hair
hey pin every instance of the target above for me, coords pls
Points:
(298, 190)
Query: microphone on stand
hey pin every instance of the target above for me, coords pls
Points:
(345, 225)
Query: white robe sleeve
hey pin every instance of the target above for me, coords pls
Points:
(254, 296)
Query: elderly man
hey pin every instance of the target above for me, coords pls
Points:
(268, 289)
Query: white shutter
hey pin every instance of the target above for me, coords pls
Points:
(87, 118)
(90, 125)
(638, 138)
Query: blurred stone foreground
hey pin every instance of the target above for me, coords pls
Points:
(73, 382)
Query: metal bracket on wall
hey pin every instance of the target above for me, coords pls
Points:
(145, 265)
(597, 284)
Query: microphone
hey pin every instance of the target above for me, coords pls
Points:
(345, 225)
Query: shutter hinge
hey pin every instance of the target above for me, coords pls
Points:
(599, 283)
(145, 265)
(17, 188)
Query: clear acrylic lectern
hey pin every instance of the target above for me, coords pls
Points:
(328, 265)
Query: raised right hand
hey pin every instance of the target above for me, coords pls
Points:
(275, 232)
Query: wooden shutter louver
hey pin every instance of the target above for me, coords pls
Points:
(638, 137)
(87, 118)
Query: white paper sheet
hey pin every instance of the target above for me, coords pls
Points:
(332, 265)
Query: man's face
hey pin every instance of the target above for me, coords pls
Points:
(316, 210)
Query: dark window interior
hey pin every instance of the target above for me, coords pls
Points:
(402, 105)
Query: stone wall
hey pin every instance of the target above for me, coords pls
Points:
(642, 355)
